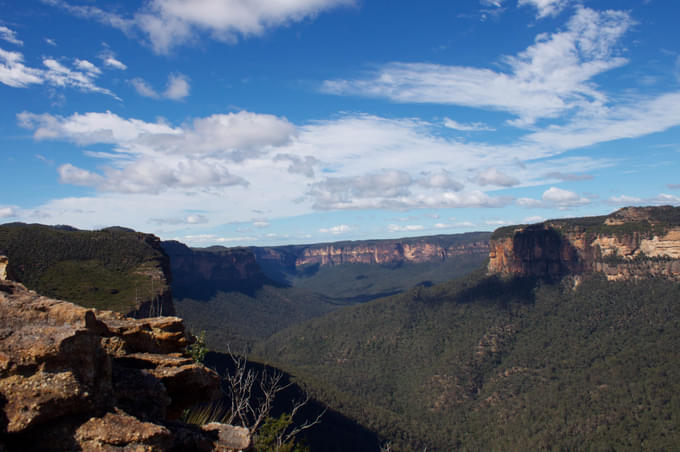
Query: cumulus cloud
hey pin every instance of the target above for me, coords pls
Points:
(10, 36)
(550, 77)
(492, 176)
(169, 23)
(196, 219)
(7, 212)
(177, 88)
(304, 165)
(442, 180)
(154, 157)
(563, 198)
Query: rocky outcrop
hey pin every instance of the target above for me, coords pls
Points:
(73, 378)
(631, 243)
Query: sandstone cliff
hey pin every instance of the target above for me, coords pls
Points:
(80, 379)
(407, 250)
(201, 272)
(113, 268)
(630, 243)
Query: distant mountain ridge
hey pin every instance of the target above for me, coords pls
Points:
(633, 242)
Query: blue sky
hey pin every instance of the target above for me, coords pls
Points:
(258, 122)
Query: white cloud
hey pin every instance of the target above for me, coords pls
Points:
(563, 198)
(546, 7)
(109, 60)
(549, 78)
(196, 219)
(492, 176)
(624, 200)
(10, 36)
(260, 224)
(143, 88)
(14, 73)
(155, 156)
(529, 202)
(405, 228)
(335, 230)
(69, 174)
(86, 66)
(533, 219)
(51, 42)
(496, 222)
(7, 212)
(571, 177)
(467, 127)
(177, 88)
(170, 23)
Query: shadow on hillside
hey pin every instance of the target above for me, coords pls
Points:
(335, 433)
(206, 290)
(501, 291)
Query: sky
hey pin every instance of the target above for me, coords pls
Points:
(266, 122)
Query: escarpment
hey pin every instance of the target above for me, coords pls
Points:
(114, 268)
(199, 271)
(633, 242)
(73, 378)
(397, 251)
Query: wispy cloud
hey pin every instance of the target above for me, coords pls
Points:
(10, 36)
(549, 78)
(14, 73)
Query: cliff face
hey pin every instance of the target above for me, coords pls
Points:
(80, 379)
(631, 243)
(409, 250)
(113, 268)
(196, 271)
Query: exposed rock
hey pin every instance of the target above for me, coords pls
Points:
(631, 243)
(73, 378)
(3, 267)
(392, 251)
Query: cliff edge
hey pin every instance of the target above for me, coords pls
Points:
(80, 379)
(633, 242)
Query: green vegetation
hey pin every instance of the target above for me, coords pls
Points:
(482, 363)
(238, 320)
(106, 269)
(653, 221)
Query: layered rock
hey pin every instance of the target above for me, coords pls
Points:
(73, 378)
(407, 250)
(631, 243)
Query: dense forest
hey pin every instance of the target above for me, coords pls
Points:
(484, 363)
(239, 313)
(113, 268)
